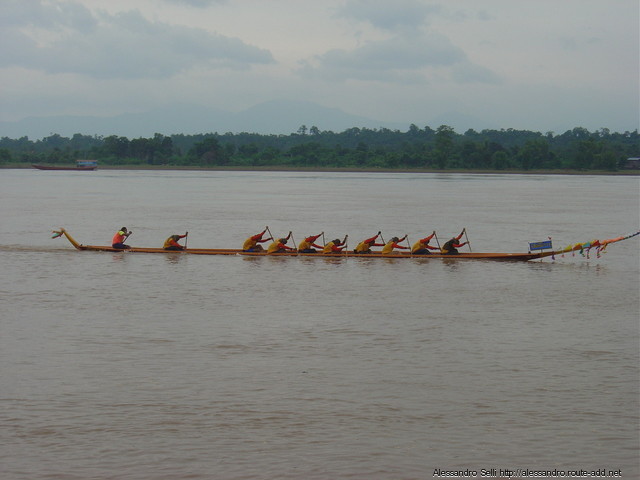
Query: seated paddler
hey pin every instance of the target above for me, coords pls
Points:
(394, 243)
(422, 247)
(451, 247)
(171, 243)
(335, 246)
(365, 245)
(119, 238)
(308, 244)
(280, 245)
(252, 244)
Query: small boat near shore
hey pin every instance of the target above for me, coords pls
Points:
(81, 166)
(523, 257)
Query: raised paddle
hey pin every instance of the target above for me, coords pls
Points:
(437, 241)
(467, 238)
(270, 234)
(406, 236)
(293, 240)
(186, 239)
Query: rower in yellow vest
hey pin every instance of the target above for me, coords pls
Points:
(365, 245)
(280, 245)
(422, 247)
(335, 246)
(252, 244)
(308, 244)
(394, 243)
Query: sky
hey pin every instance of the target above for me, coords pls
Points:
(543, 65)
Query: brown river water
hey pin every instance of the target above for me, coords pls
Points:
(143, 366)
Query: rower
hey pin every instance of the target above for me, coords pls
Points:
(308, 245)
(171, 243)
(451, 247)
(394, 243)
(422, 247)
(365, 245)
(280, 245)
(335, 246)
(252, 244)
(119, 238)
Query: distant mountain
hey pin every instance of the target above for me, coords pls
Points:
(272, 117)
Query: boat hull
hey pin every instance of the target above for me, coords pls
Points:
(73, 169)
(220, 251)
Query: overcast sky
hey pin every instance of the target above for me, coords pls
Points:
(543, 65)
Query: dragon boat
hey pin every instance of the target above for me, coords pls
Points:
(581, 247)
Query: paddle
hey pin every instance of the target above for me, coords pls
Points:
(186, 239)
(467, 238)
(270, 234)
(437, 241)
(293, 240)
(406, 236)
(380, 234)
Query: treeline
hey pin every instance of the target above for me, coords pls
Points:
(417, 148)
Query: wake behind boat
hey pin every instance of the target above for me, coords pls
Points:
(581, 247)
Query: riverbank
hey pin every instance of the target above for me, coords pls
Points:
(287, 168)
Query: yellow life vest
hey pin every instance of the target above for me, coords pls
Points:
(363, 247)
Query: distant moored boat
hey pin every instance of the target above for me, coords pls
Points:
(81, 166)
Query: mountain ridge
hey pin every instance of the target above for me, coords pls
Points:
(271, 117)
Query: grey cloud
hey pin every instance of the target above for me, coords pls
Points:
(406, 56)
(196, 3)
(121, 46)
(399, 14)
(401, 58)
(399, 53)
(467, 72)
(55, 16)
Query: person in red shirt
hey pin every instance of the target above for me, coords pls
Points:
(280, 245)
(365, 245)
(119, 238)
(171, 243)
(394, 243)
(422, 247)
(451, 247)
(335, 246)
(252, 244)
(308, 245)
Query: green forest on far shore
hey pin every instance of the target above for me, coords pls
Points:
(354, 148)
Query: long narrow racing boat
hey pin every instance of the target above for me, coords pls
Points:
(465, 255)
